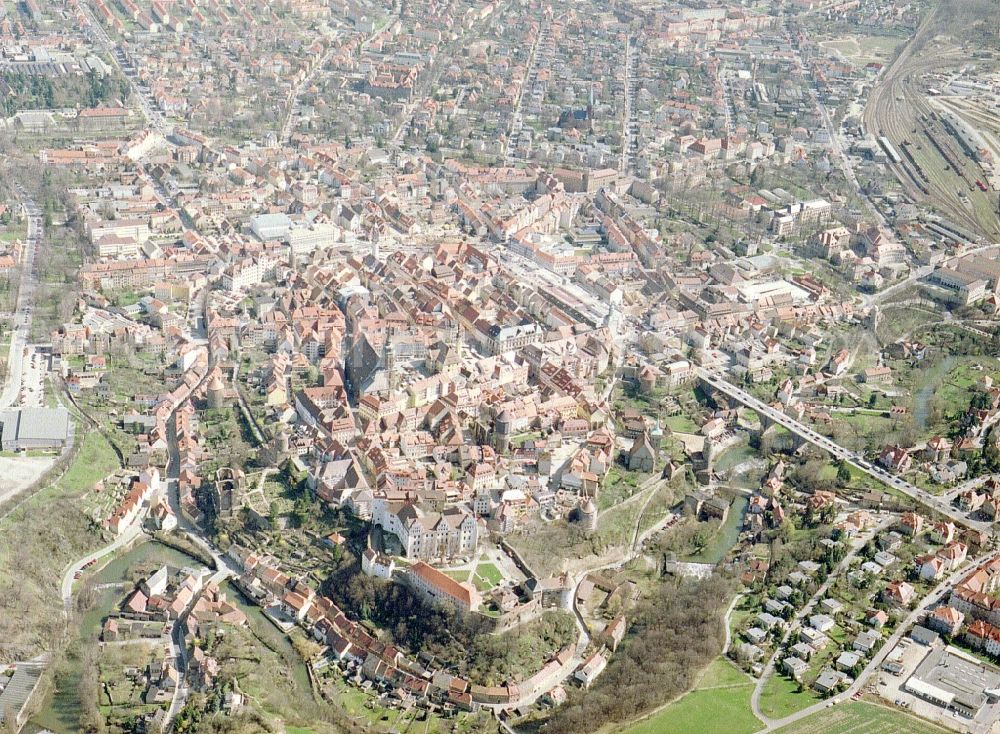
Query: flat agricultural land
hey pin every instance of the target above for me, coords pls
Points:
(720, 702)
(861, 718)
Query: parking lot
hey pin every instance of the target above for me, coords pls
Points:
(946, 672)
(33, 379)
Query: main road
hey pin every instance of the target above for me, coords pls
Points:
(21, 323)
(796, 622)
(95, 31)
(935, 596)
(922, 272)
(858, 461)
(630, 112)
(841, 155)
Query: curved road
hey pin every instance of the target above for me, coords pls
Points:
(584, 638)
(727, 621)
(918, 273)
(875, 663)
(130, 534)
(796, 621)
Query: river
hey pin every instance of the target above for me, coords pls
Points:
(741, 466)
(727, 536)
(60, 712)
(271, 636)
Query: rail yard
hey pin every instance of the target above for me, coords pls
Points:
(926, 146)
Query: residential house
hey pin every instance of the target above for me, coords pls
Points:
(945, 620)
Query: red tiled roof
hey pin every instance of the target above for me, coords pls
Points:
(442, 582)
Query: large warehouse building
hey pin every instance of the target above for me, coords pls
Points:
(34, 428)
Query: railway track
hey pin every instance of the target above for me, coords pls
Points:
(987, 124)
(899, 125)
(895, 108)
(913, 169)
(947, 152)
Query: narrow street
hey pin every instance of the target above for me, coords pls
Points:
(796, 622)
(293, 96)
(223, 566)
(937, 595)
(530, 74)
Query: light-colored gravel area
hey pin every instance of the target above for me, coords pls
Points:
(18, 472)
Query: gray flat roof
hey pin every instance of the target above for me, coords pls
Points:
(965, 679)
(43, 423)
(35, 424)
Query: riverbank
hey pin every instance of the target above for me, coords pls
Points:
(61, 708)
(726, 537)
(38, 539)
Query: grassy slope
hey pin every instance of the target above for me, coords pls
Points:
(861, 718)
(37, 541)
(720, 702)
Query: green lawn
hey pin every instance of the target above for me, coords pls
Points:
(861, 49)
(481, 584)
(489, 572)
(861, 718)
(719, 703)
(522, 438)
(739, 618)
(722, 674)
(722, 710)
(879, 45)
(485, 577)
(780, 697)
(838, 634)
(681, 423)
